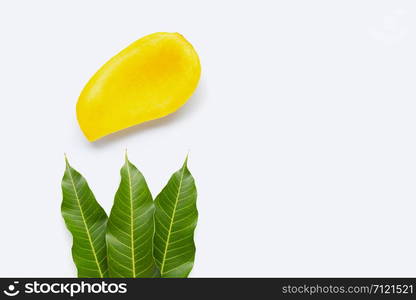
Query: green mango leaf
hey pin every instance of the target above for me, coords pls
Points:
(130, 227)
(86, 220)
(176, 216)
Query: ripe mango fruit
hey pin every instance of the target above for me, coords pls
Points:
(149, 79)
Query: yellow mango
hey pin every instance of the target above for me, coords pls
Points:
(149, 79)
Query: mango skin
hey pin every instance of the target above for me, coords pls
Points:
(151, 78)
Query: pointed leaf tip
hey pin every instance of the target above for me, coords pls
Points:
(66, 160)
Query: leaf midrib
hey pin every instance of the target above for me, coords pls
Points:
(171, 222)
(131, 222)
(84, 222)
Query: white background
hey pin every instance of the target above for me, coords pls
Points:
(301, 133)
